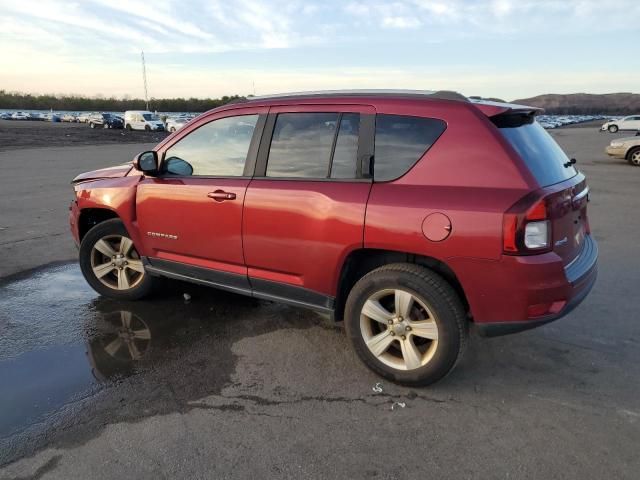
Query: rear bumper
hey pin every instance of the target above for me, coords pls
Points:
(580, 276)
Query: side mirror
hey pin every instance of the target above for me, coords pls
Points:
(146, 162)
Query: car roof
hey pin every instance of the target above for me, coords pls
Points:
(489, 108)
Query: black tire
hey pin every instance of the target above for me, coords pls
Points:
(147, 128)
(112, 227)
(172, 129)
(128, 127)
(613, 128)
(633, 156)
(432, 290)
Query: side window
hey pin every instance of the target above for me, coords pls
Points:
(301, 145)
(218, 148)
(400, 142)
(344, 164)
(314, 145)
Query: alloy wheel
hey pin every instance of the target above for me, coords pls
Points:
(635, 158)
(399, 329)
(116, 263)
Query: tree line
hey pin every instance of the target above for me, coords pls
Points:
(25, 101)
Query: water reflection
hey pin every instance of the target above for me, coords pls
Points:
(121, 338)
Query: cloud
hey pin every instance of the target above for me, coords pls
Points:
(401, 22)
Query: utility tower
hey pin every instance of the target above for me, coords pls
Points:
(144, 79)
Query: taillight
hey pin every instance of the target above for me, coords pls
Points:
(526, 228)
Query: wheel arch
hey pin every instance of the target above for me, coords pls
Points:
(90, 217)
(362, 261)
(631, 151)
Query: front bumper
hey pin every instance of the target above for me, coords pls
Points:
(617, 152)
(580, 276)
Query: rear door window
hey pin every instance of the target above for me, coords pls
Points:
(401, 141)
(314, 145)
(540, 152)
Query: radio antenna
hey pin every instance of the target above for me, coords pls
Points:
(144, 79)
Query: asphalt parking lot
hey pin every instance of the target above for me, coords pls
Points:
(221, 386)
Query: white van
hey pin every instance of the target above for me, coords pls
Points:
(142, 120)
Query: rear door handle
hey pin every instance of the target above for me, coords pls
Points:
(221, 195)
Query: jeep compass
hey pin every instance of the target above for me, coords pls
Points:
(408, 215)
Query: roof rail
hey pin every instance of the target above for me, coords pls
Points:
(440, 94)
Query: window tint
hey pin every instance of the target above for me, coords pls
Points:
(301, 145)
(401, 141)
(218, 148)
(540, 152)
(346, 152)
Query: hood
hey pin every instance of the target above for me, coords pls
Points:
(109, 172)
(626, 141)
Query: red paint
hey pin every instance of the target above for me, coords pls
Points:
(299, 232)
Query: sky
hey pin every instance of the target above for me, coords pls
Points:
(494, 48)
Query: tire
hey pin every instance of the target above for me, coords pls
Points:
(127, 280)
(435, 307)
(147, 128)
(633, 157)
(128, 127)
(172, 129)
(92, 125)
(613, 128)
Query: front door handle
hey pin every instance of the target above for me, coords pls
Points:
(221, 195)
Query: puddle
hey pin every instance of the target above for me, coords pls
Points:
(69, 356)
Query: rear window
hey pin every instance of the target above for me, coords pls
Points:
(401, 141)
(542, 155)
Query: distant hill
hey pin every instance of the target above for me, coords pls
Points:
(585, 103)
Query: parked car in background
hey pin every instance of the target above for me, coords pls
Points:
(468, 212)
(625, 148)
(20, 116)
(104, 120)
(5, 116)
(176, 123)
(84, 117)
(142, 120)
(69, 117)
(631, 122)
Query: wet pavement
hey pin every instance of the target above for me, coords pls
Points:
(70, 358)
(87, 380)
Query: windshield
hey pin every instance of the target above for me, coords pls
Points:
(106, 115)
(150, 116)
(544, 157)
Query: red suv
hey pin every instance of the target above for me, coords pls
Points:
(409, 215)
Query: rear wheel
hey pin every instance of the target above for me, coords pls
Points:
(634, 157)
(406, 323)
(172, 129)
(111, 264)
(128, 127)
(613, 128)
(147, 128)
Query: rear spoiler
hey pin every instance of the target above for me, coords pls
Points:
(508, 114)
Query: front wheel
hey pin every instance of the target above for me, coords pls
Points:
(92, 125)
(613, 128)
(406, 323)
(128, 127)
(634, 157)
(111, 264)
(147, 128)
